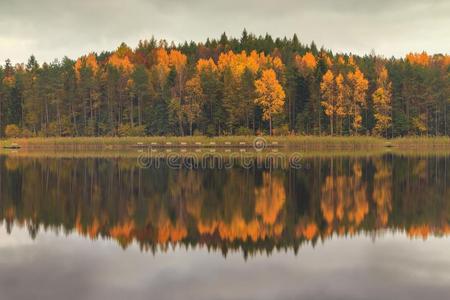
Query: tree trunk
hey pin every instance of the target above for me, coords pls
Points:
(180, 121)
(22, 117)
(131, 111)
(407, 114)
(247, 119)
(320, 123)
(110, 113)
(46, 116)
(1, 120)
(91, 106)
(445, 119)
(270, 125)
(290, 111)
(74, 120)
(139, 111)
(58, 115)
(437, 120)
(85, 116)
(254, 122)
(332, 123)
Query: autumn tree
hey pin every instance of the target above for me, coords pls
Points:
(358, 86)
(342, 94)
(271, 96)
(307, 63)
(333, 95)
(382, 102)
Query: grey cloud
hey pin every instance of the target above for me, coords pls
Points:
(54, 28)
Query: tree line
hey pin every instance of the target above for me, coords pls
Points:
(227, 86)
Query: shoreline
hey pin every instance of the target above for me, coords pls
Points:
(245, 142)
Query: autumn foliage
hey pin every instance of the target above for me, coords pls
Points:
(227, 86)
(270, 95)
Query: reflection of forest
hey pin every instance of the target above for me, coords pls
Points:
(250, 210)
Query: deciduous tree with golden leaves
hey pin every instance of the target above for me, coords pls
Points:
(358, 86)
(382, 102)
(271, 96)
(333, 96)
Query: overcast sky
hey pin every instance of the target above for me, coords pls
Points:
(51, 29)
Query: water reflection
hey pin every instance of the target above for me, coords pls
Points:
(245, 210)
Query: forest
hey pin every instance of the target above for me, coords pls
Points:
(227, 86)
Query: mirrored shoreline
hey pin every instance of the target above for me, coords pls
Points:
(246, 210)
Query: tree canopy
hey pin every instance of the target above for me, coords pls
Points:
(226, 86)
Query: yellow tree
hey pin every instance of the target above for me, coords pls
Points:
(327, 90)
(306, 64)
(334, 92)
(422, 59)
(358, 88)
(341, 96)
(121, 63)
(89, 61)
(341, 60)
(206, 65)
(161, 67)
(270, 95)
(382, 102)
(178, 60)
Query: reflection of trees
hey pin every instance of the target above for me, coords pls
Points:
(382, 191)
(241, 209)
(235, 222)
(421, 187)
(344, 200)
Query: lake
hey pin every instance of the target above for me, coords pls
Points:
(328, 226)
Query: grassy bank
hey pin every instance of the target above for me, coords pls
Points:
(297, 142)
(196, 141)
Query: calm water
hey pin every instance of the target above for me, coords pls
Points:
(337, 228)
